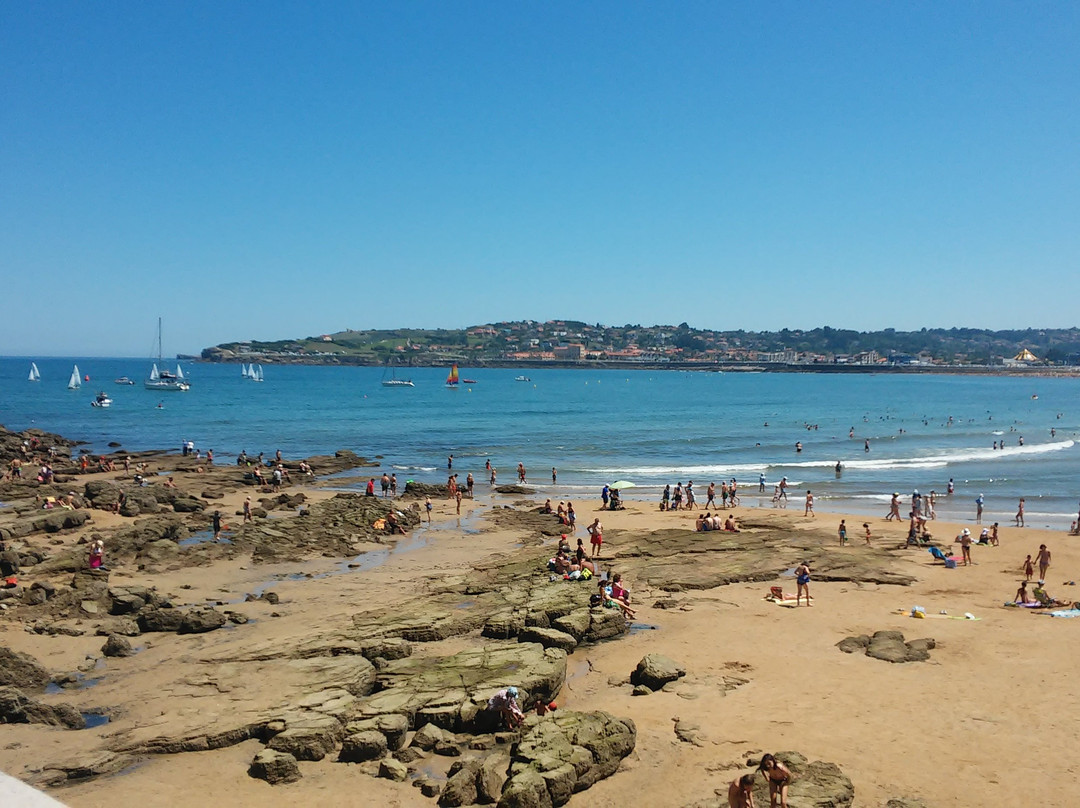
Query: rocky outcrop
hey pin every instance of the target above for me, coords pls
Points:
(21, 671)
(117, 646)
(18, 708)
(888, 646)
(564, 754)
(452, 692)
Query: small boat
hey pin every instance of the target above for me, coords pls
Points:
(394, 381)
(75, 382)
(522, 379)
(101, 400)
(452, 380)
(255, 373)
(469, 381)
(244, 373)
(123, 380)
(162, 379)
(35, 374)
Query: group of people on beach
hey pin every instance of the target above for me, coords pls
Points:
(777, 776)
(683, 498)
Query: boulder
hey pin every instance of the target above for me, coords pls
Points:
(160, 551)
(274, 767)
(549, 638)
(117, 646)
(200, 621)
(310, 738)
(361, 746)
(160, 620)
(426, 737)
(852, 645)
(576, 624)
(126, 601)
(188, 505)
(605, 624)
(491, 777)
(656, 670)
(460, 788)
(391, 769)
(504, 625)
(393, 727)
(21, 670)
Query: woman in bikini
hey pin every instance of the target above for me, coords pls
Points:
(779, 776)
(802, 580)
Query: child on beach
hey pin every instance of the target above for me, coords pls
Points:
(866, 527)
(1029, 569)
(779, 776)
(842, 532)
(741, 792)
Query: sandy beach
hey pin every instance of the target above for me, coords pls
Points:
(965, 727)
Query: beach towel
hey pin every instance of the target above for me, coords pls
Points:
(1064, 613)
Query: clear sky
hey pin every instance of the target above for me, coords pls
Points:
(265, 170)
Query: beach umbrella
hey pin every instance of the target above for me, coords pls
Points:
(620, 484)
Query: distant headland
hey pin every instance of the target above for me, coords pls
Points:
(570, 343)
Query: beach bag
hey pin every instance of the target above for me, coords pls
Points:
(586, 574)
(950, 564)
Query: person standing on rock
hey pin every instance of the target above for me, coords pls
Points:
(779, 777)
(505, 703)
(247, 510)
(385, 483)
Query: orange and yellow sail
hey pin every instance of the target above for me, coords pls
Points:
(452, 379)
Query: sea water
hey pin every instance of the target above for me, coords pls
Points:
(649, 427)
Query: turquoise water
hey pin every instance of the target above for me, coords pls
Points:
(649, 427)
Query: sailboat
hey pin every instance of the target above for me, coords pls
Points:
(75, 382)
(452, 379)
(35, 374)
(243, 371)
(255, 373)
(394, 381)
(162, 379)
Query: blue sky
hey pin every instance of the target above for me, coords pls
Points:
(270, 170)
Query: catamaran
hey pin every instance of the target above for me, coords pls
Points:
(162, 379)
(35, 374)
(452, 380)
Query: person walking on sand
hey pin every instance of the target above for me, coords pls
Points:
(571, 517)
(894, 508)
(427, 507)
(216, 523)
(1020, 514)
(802, 583)
(866, 528)
(1043, 560)
(842, 532)
(779, 777)
(783, 488)
(994, 534)
(1029, 568)
(710, 496)
(741, 792)
(457, 501)
(247, 510)
(596, 537)
(809, 509)
(978, 509)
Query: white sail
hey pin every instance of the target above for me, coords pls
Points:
(154, 376)
(35, 375)
(243, 371)
(257, 373)
(179, 373)
(75, 382)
